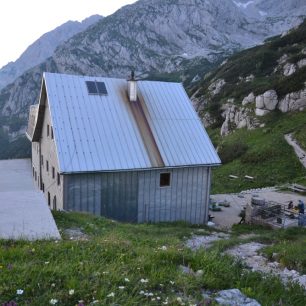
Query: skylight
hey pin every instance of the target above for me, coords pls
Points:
(96, 88)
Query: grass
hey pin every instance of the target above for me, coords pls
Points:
(268, 158)
(115, 252)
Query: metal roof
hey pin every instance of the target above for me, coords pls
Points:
(100, 132)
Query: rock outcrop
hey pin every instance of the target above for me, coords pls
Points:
(266, 102)
(289, 69)
(216, 87)
(249, 99)
(295, 101)
(236, 117)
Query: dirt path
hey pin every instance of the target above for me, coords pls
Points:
(300, 153)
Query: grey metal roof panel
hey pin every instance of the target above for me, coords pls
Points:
(99, 132)
(178, 131)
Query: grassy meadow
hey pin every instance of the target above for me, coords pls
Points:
(129, 264)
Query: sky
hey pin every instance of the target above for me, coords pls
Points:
(24, 21)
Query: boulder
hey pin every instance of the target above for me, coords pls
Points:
(260, 102)
(249, 99)
(261, 112)
(234, 297)
(302, 63)
(249, 78)
(289, 69)
(270, 99)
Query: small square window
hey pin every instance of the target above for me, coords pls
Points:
(164, 179)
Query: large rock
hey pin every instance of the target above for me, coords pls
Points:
(260, 102)
(270, 99)
(267, 101)
(289, 69)
(261, 112)
(295, 101)
(249, 99)
(302, 63)
(234, 297)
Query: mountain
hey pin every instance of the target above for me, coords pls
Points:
(249, 104)
(180, 39)
(43, 48)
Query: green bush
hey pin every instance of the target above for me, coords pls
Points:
(230, 151)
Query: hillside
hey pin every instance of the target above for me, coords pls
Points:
(103, 262)
(154, 37)
(250, 102)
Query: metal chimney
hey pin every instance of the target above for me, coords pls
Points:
(132, 88)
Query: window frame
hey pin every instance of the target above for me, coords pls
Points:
(164, 179)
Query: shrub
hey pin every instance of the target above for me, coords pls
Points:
(230, 151)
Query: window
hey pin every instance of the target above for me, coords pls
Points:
(35, 176)
(54, 203)
(49, 199)
(48, 130)
(43, 187)
(164, 180)
(47, 166)
(33, 172)
(42, 160)
(58, 179)
(52, 136)
(53, 172)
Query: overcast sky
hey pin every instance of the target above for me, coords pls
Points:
(24, 21)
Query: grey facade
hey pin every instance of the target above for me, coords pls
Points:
(136, 152)
(136, 196)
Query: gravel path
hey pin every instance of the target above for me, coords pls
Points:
(300, 153)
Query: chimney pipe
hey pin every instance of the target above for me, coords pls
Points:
(132, 88)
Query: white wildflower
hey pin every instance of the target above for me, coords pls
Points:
(121, 287)
(47, 262)
(144, 280)
(19, 291)
(141, 292)
(172, 282)
(158, 298)
(71, 292)
(112, 294)
(163, 248)
(126, 280)
(53, 301)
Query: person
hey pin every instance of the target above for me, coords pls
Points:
(301, 207)
(290, 205)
